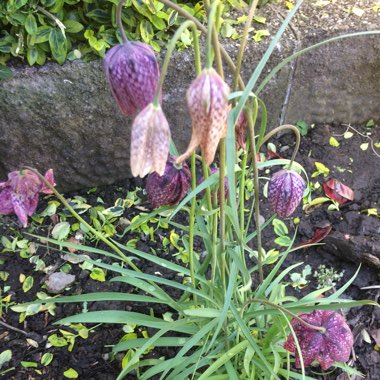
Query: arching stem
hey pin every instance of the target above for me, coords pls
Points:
(119, 23)
(169, 52)
(284, 128)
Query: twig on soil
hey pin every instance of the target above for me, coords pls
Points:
(360, 134)
(13, 328)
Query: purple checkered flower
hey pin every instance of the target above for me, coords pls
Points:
(285, 192)
(333, 345)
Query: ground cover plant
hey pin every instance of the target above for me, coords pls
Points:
(231, 318)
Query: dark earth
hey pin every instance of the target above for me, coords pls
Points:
(354, 240)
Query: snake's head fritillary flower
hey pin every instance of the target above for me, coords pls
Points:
(285, 192)
(20, 194)
(207, 100)
(334, 345)
(133, 75)
(150, 141)
(171, 187)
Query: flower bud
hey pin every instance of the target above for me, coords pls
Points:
(334, 344)
(133, 74)
(171, 187)
(285, 192)
(207, 100)
(150, 141)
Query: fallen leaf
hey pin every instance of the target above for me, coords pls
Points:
(364, 146)
(357, 11)
(74, 241)
(319, 234)
(348, 135)
(335, 190)
(334, 142)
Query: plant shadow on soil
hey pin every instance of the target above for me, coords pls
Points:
(354, 239)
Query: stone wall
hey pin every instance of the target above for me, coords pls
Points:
(64, 117)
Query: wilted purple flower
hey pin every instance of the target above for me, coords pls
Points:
(334, 344)
(20, 193)
(133, 74)
(207, 99)
(285, 192)
(150, 141)
(171, 187)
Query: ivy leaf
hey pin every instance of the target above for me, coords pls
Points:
(57, 43)
(73, 26)
(42, 35)
(31, 24)
(28, 284)
(32, 55)
(20, 3)
(99, 15)
(61, 230)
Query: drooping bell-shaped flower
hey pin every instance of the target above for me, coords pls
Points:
(171, 187)
(133, 75)
(150, 141)
(207, 100)
(285, 192)
(19, 195)
(333, 345)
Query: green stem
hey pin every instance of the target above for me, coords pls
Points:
(191, 226)
(203, 29)
(119, 23)
(243, 44)
(284, 310)
(251, 129)
(210, 33)
(169, 52)
(222, 211)
(283, 128)
(81, 220)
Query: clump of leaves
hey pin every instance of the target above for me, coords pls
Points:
(41, 30)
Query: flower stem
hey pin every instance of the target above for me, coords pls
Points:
(210, 33)
(286, 311)
(283, 128)
(243, 43)
(251, 129)
(169, 52)
(119, 23)
(191, 226)
(203, 29)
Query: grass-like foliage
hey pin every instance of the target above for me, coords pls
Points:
(232, 317)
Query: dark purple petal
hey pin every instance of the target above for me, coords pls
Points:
(171, 187)
(285, 192)
(133, 74)
(334, 345)
(6, 205)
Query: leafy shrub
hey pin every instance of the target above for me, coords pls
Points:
(39, 30)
